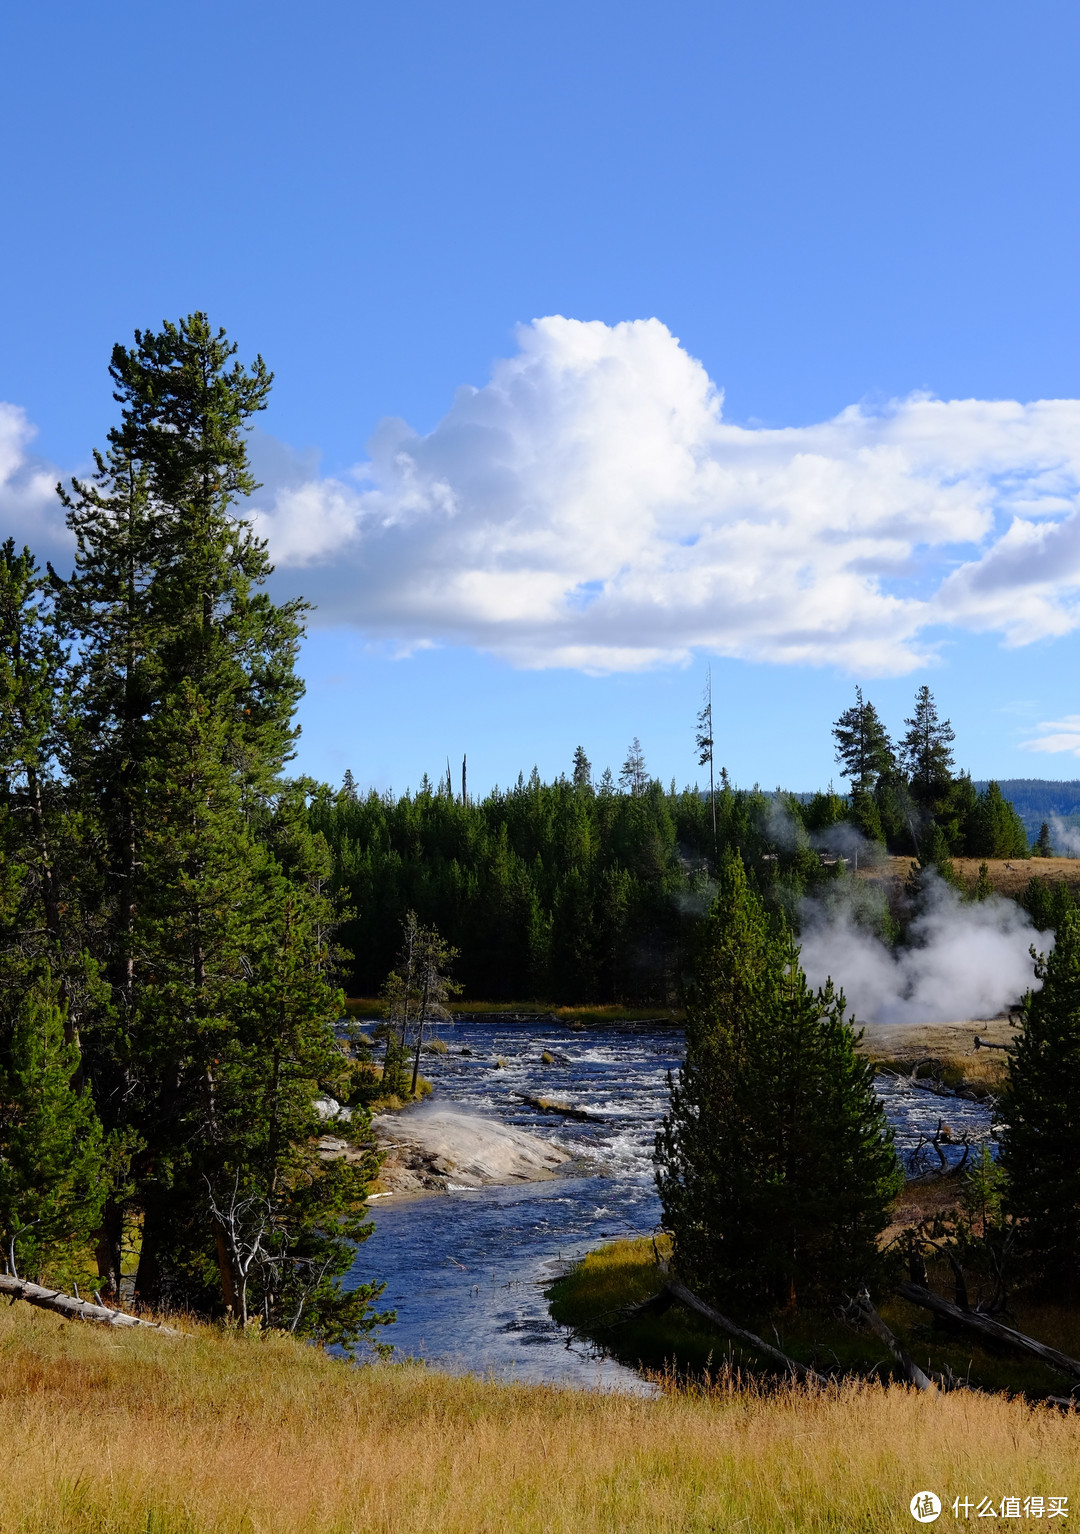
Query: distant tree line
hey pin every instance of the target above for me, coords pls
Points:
(566, 891)
(579, 890)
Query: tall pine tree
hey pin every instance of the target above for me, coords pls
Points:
(1041, 1107)
(184, 703)
(775, 1169)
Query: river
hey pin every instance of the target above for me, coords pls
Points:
(466, 1270)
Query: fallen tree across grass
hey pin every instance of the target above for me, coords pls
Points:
(674, 1292)
(986, 1327)
(76, 1309)
(863, 1311)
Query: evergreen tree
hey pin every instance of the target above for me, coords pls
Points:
(286, 1222)
(865, 816)
(1041, 1108)
(862, 745)
(995, 830)
(183, 707)
(1043, 847)
(774, 1165)
(51, 1150)
(926, 752)
(582, 778)
(40, 915)
(633, 777)
(705, 746)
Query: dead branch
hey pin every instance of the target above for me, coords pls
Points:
(80, 1310)
(673, 1290)
(994, 1331)
(863, 1310)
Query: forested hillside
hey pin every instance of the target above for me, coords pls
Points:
(555, 890)
(579, 892)
(1039, 799)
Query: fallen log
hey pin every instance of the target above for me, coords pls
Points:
(864, 1311)
(79, 1310)
(994, 1331)
(673, 1290)
(553, 1105)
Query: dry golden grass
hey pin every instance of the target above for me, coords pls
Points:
(1009, 876)
(124, 1434)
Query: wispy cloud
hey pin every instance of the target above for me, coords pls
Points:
(29, 510)
(1057, 735)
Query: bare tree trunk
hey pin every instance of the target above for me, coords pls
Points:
(420, 1031)
(148, 1274)
(82, 1310)
(228, 1285)
(685, 1296)
(866, 1313)
(109, 1247)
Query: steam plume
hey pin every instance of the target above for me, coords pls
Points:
(963, 960)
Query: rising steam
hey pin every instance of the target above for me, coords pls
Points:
(1066, 838)
(962, 960)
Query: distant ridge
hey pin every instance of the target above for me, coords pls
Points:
(1039, 799)
(1034, 799)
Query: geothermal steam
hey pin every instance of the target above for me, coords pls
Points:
(962, 959)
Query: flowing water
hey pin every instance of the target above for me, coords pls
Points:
(466, 1270)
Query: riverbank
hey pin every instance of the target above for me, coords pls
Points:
(595, 1297)
(586, 1015)
(222, 1434)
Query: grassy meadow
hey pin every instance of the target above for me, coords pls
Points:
(105, 1432)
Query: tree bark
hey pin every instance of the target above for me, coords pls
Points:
(109, 1246)
(80, 1310)
(148, 1274)
(994, 1331)
(865, 1312)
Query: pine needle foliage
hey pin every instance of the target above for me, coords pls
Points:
(51, 1146)
(1041, 1107)
(210, 921)
(775, 1167)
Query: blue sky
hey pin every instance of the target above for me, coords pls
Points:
(844, 221)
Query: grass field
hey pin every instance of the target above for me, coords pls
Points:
(107, 1433)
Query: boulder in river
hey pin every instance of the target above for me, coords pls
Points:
(441, 1149)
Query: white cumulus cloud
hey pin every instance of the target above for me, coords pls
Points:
(29, 509)
(590, 507)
